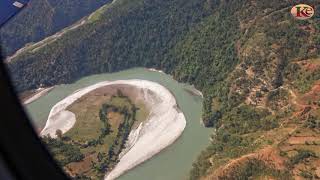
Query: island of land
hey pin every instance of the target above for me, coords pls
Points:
(108, 128)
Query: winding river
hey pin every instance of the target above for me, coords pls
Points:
(175, 161)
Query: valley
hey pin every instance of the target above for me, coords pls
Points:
(255, 66)
(90, 103)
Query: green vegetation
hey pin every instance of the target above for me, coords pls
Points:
(241, 54)
(306, 174)
(98, 149)
(267, 64)
(254, 169)
(43, 18)
(110, 159)
(303, 79)
(125, 41)
(245, 119)
(62, 151)
(195, 49)
(312, 122)
(106, 127)
(300, 156)
(277, 99)
(177, 50)
(98, 13)
(228, 142)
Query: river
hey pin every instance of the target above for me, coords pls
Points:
(174, 162)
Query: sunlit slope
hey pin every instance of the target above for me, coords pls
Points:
(249, 58)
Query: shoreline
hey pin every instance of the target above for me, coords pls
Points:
(155, 70)
(163, 126)
(40, 92)
(196, 91)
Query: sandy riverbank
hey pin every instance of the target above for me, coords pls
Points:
(164, 125)
(39, 93)
(155, 70)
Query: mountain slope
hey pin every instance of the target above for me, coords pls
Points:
(42, 18)
(127, 34)
(257, 67)
(270, 102)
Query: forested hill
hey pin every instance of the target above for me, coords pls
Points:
(258, 67)
(42, 18)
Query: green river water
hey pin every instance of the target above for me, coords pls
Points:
(174, 162)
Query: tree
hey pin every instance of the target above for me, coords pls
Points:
(100, 157)
(59, 133)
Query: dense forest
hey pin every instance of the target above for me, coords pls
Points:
(43, 18)
(156, 36)
(249, 58)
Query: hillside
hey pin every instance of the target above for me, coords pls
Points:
(42, 18)
(257, 67)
